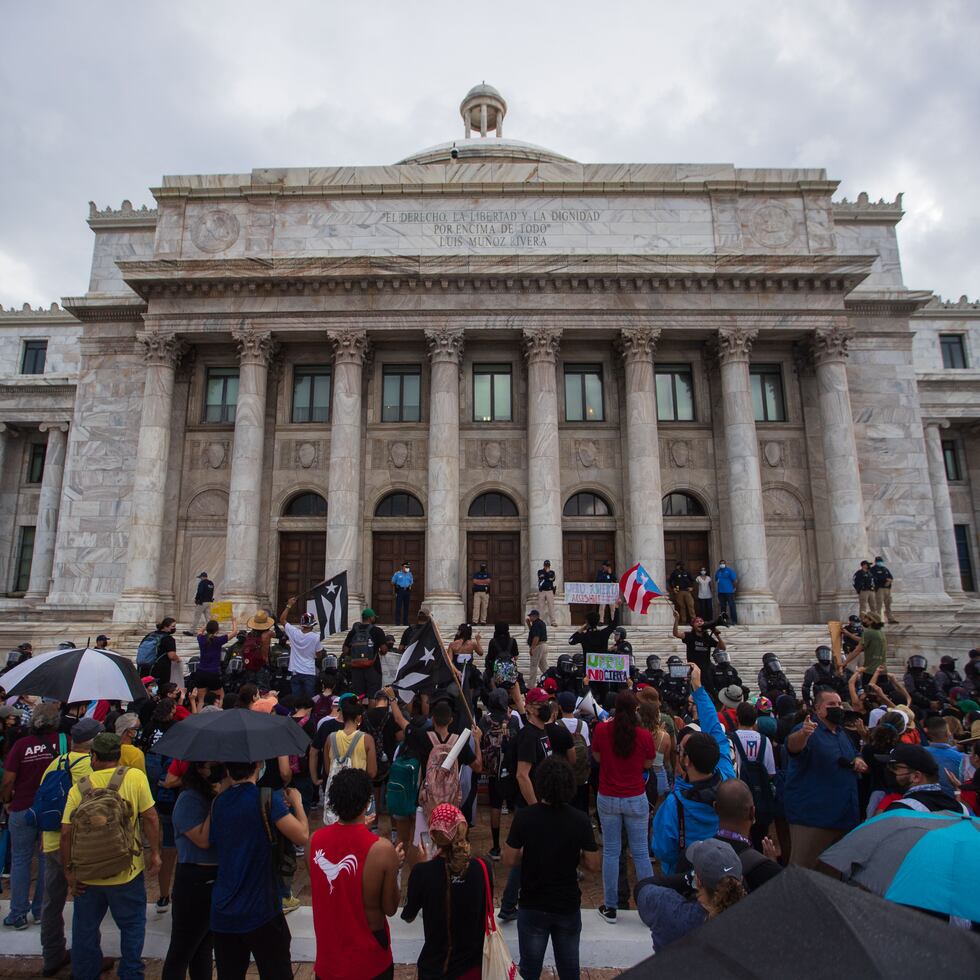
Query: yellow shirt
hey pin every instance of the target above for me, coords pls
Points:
(134, 788)
(81, 765)
(358, 759)
(132, 756)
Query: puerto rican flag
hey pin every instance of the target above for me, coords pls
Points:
(638, 589)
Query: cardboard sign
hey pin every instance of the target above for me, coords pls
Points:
(221, 611)
(608, 667)
(591, 593)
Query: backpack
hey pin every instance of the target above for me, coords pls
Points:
(156, 772)
(362, 652)
(283, 853)
(337, 762)
(52, 795)
(583, 763)
(508, 769)
(146, 652)
(402, 794)
(103, 842)
(753, 774)
(252, 653)
(492, 747)
(440, 785)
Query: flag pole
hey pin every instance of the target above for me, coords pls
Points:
(455, 672)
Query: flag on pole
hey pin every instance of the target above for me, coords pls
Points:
(328, 602)
(638, 589)
(423, 666)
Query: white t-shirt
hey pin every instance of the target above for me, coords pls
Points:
(750, 742)
(302, 649)
(572, 723)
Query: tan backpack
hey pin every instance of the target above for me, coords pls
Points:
(103, 842)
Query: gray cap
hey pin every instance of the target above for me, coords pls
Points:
(731, 696)
(713, 860)
(85, 729)
(6, 711)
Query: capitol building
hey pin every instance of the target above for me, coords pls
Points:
(490, 353)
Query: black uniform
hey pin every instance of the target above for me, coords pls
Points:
(774, 683)
(922, 689)
(947, 679)
(824, 675)
(681, 579)
(723, 675)
(863, 581)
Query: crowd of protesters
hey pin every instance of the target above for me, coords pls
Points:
(683, 788)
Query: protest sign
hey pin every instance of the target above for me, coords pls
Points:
(608, 667)
(221, 611)
(591, 593)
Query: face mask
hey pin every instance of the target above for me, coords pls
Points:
(835, 715)
(544, 713)
(722, 565)
(261, 773)
(704, 571)
(153, 690)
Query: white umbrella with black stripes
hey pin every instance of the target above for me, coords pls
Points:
(76, 675)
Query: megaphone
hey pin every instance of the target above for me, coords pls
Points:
(587, 706)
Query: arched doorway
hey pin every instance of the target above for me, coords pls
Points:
(302, 548)
(588, 540)
(687, 531)
(493, 538)
(398, 535)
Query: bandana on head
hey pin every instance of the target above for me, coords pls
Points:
(447, 819)
(697, 621)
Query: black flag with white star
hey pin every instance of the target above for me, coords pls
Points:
(423, 666)
(328, 602)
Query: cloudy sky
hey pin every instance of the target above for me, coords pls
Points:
(99, 99)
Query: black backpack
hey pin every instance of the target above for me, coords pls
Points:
(753, 774)
(362, 651)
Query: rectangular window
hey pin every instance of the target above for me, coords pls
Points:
(402, 394)
(583, 393)
(311, 393)
(221, 395)
(951, 457)
(962, 532)
(25, 555)
(35, 352)
(954, 351)
(675, 393)
(491, 393)
(35, 464)
(767, 392)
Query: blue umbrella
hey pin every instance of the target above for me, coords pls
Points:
(926, 860)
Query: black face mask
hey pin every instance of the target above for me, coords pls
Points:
(835, 715)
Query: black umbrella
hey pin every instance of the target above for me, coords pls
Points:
(236, 735)
(84, 674)
(805, 924)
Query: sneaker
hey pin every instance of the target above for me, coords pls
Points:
(290, 904)
(163, 904)
(299, 850)
(494, 854)
(507, 916)
(189, 633)
(16, 922)
(607, 914)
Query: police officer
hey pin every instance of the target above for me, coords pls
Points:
(823, 674)
(676, 688)
(882, 599)
(654, 673)
(921, 685)
(948, 677)
(772, 680)
(620, 644)
(609, 613)
(864, 586)
(851, 634)
(566, 673)
(723, 672)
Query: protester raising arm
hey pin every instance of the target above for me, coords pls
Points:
(852, 683)
(710, 725)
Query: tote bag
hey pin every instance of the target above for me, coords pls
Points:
(497, 964)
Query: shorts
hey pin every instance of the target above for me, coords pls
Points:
(166, 830)
(495, 794)
(207, 680)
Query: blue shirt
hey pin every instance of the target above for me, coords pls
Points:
(246, 893)
(667, 914)
(821, 788)
(725, 580)
(947, 758)
(190, 811)
(484, 578)
(402, 580)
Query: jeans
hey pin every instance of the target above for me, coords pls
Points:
(269, 944)
(508, 901)
(726, 603)
(614, 813)
(191, 944)
(535, 928)
(402, 599)
(127, 906)
(24, 841)
(303, 685)
(53, 945)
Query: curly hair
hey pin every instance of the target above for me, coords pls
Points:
(554, 782)
(728, 893)
(349, 793)
(624, 724)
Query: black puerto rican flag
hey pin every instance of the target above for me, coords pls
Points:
(328, 602)
(423, 666)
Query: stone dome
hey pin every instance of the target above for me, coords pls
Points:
(477, 150)
(483, 89)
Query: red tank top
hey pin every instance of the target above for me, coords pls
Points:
(346, 948)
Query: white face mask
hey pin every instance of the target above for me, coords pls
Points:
(722, 565)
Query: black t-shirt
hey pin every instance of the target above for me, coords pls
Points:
(377, 638)
(539, 630)
(593, 641)
(427, 893)
(552, 838)
(699, 649)
(534, 745)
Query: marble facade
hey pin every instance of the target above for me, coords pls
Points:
(508, 255)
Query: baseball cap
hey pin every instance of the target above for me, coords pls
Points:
(203, 575)
(367, 613)
(6, 711)
(149, 679)
(689, 729)
(497, 701)
(85, 729)
(731, 696)
(105, 743)
(534, 612)
(547, 561)
(567, 700)
(102, 636)
(916, 758)
(763, 705)
(537, 695)
(307, 619)
(550, 685)
(714, 860)
(127, 721)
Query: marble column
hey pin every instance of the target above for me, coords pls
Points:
(544, 465)
(346, 462)
(140, 601)
(48, 506)
(754, 597)
(241, 586)
(7, 505)
(638, 347)
(848, 533)
(442, 584)
(943, 508)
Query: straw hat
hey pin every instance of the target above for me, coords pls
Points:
(260, 622)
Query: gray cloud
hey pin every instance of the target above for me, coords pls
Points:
(102, 99)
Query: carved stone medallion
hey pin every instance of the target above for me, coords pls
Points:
(492, 454)
(772, 453)
(215, 455)
(214, 231)
(680, 453)
(588, 453)
(772, 226)
(398, 453)
(306, 454)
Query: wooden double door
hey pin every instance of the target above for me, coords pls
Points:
(500, 551)
(302, 564)
(389, 550)
(583, 553)
(690, 547)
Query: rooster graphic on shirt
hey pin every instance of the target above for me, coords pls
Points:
(332, 871)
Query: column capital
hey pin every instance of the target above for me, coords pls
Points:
(542, 344)
(53, 427)
(161, 349)
(255, 346)
(935, 424)
(732, 344)
(638, 343)
(7, 429)
(829, 344)
(350, 346)
(445, 345)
